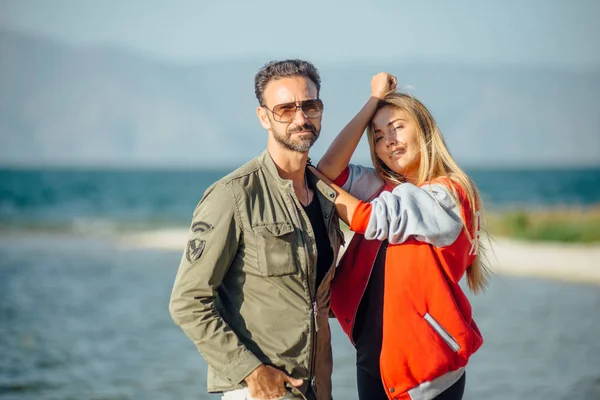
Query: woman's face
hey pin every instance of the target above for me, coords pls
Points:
(396, 141)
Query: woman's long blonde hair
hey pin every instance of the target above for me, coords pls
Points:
(437, 162)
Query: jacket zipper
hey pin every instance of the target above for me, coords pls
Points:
(315, 308)
(313, 301)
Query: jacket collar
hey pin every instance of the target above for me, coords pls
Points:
(322, 187)
(268, 164)
(286, 184)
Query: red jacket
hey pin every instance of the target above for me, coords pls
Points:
(428, 329)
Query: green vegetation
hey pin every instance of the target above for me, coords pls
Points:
(559, 225)
(553, 225)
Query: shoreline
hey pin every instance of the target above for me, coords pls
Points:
(571, 262)
(561, 261)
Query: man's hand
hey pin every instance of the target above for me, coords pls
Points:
(381, 84)
(267, 382)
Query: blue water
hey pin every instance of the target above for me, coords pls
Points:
(84, 317)
(104, 199)
(83, 320)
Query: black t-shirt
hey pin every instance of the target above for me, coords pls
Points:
(324, 250)
(368, 325)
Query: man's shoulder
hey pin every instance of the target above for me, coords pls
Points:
(241, 173)
(232, 183)
(245, 179)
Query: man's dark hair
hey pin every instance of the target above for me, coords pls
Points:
(284, 69)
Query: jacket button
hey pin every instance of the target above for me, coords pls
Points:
(392, 390)
(331, 195)
(326, 215)
(347, 321)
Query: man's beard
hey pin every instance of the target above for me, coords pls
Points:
(301, 143)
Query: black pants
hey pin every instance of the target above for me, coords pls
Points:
(310, 395)
(371, 388)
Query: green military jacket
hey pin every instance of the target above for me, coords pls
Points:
(245, 291)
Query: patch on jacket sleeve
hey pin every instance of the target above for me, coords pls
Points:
(201, 227)
(194, 249)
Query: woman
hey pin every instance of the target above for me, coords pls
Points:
(416, 218)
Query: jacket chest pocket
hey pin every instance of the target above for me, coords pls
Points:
(275, 249)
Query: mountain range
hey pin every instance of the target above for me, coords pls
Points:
(106, 106)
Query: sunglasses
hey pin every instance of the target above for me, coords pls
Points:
(287, 111)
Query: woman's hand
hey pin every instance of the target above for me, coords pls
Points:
(337, 157)
(382, 84)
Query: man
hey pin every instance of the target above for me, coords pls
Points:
(252, 290)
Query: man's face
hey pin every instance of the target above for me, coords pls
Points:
(300, 132)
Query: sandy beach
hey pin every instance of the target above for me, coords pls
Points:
(94, 306)
(561, 261)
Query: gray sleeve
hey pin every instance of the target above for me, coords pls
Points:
(212, 245)
(362, 183)
(428, 214)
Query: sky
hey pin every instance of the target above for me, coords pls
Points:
(535, 32)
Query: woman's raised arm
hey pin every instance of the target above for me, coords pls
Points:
(340, 151)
